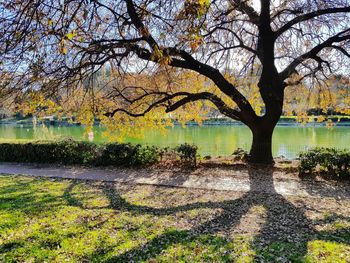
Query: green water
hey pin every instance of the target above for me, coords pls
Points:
(212, 140)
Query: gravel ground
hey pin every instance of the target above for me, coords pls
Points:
(239, 178)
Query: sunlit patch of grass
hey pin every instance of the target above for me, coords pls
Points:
(340, 224)
(314, 251)
(75, 221)
(325, 251)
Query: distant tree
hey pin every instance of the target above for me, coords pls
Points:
(234, 45)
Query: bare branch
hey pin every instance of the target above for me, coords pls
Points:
(309, 16)
(312, 54)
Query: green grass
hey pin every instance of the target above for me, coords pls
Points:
(43, 220)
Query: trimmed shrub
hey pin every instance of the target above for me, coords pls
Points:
(187, 153)
(73, 152)
(127, 154)
(146, 155)
(84, 153)
(325, 160)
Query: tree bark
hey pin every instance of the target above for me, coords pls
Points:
(272, 92)
(262, 130)
(261, 149)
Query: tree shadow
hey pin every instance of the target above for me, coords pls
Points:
(284, 222)
(69, 196)
(338, 189)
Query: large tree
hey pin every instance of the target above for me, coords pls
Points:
(275, 44)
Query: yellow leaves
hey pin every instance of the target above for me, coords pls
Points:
(49, 22)
(193, 9)
(320, 118)
(122, 125)
(62, 47)
(85, 115)
(294, 79)
(71, 35)
(157, 54)
(196, 42)
(37, 105)
(303, 118)
(231, 78)
(326, 100)
(204, 3)
(63, 50)
(195, 111)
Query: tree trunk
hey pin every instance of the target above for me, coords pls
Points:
(261, 149)
(271, 90)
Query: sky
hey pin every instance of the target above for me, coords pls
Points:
(256, 5)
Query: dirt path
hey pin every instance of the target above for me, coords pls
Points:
(228, 179)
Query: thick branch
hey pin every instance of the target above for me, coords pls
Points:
(342, 50)
(187, 97)
(242, 6)
(222, 107)
(143, 30)
(188, 62)
(309, 16)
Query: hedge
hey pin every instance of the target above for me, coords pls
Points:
(326, 160)
(74, 152)
(86, 153)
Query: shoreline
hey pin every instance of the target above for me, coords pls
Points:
(283, 122)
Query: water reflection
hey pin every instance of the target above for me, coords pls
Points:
(212, 140)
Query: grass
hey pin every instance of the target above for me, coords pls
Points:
(47, 220)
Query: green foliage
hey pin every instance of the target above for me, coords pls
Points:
(325, 160)
(128, 154)
(146, 155)
(187, 153)
(74, 152)
(67, 152)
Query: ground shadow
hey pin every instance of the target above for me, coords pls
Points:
(284, 222)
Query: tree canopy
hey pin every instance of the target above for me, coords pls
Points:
(245, 54)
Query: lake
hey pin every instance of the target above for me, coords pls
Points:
(214, 140)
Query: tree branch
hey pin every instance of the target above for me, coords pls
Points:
(312, 54)
(309, 16)
(242, 6)
(188, 62)
(188, 97)
(220, 104)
